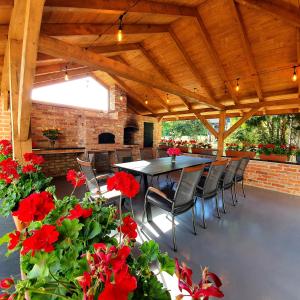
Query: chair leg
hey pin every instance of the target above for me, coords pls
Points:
(174, 233)
(217, 206)
(193, 217)
(232, 198)
(243, 188)
(130, 200)
(203, 213)
(144, 213)
(234, 188)
(223, 202)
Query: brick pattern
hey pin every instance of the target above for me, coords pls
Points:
(279, 177)
(5, 128)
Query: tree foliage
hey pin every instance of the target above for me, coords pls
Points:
(177, 129)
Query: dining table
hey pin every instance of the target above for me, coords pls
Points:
(160, 166)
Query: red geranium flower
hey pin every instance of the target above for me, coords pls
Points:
(9, 170)
(29, 169)
(78, 212)
(14, 239)
(6, 178)
(173, 151)
(35, 207)
(5, 147)
(77, 179)
(35, 159)
(128, 228)
(4, 296)
(85, 283)
(6, 283)
(42, 239)
(125, 183)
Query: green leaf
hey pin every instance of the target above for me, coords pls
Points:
(167, 264)
(4, 239)
(150, 249)
(92, 230)
(39, 270)
(70, 228)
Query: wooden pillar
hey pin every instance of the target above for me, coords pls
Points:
(221, 134)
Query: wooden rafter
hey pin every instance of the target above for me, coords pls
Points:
(222, 123)
(75, 54)
(115, 48)
(191, 65)
(247, 48)
(206, 124)
(142, 6)
(298, 57)
(55, 68)
(234, 127)
(161, 71)
(215, 57)
(278, 9)
(160, 101)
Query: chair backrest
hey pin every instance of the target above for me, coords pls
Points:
(87, 169)
(146, 153)
(230, 171)
(124, 155)
(102, 162)
(187, 185)
(242, 167)
(213, 177)
(162, 153)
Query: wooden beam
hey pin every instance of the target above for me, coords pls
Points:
(6, 3)
(234, 127)
(99, 29)
(115, 48)
(247, 48)
(161, 71)
(207, 125)
(75, 54)
(119, 6)
(215, 57)
(298, 58)
(56, 68)
(130, 106)
(5, 82)
(277, 9)
(191, 65)
(222, 120)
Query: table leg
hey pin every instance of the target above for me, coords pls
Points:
(148, 206)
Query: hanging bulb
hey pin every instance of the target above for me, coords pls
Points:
(121, 97)
(237, 87)
(146, 101)
(168, 100)
(294, 78)
(120, 29)
(120, 35)
(66, 74)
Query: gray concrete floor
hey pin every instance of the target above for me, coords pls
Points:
(254, 247)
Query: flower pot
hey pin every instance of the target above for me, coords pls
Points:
(184, 149)
(205, 151)
(19, 224)
(233, 153)
(274, 157)
(164, 147)
(298, 159)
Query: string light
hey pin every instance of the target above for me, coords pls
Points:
(66, 74)
(146, 101)
(168, 100)
(120, 29)
(121, 97)
(294, 77)
(237, 87)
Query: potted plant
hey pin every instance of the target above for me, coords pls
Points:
(183, 146)
(173, 152)
(235, 150)
(273, 152)
(52, 135)
(297, 153)
(201, 148)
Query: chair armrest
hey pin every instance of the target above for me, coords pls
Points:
(158, 192)
(103, 176)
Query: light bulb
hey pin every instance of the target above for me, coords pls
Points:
(168, 100)
(66, 76)
(146, 102)
(294, 78)
(120, 35)
(121, 97)
(237, 88)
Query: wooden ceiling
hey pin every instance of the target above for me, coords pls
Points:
(189, 53)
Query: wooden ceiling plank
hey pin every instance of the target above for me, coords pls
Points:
(74, 53)
(298, 58)
(276, 8)
(161, 71)
(142, 6)
(191, 65)
(215, 57)
(247, 48)
(206, 124)
(241, 121)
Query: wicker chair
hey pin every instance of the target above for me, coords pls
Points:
(178, 201)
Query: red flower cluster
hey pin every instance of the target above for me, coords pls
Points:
(105, 265)
(207, 287)
(173, 151)
(125, 183)
(35, 207)
(41, 239)
(270, 146)
(79, 212)
(29, 169)
(77, 179)
(5, 147)
(128, 228)
(6, 283)
(9, 170)
(34, 159)
(14, 239)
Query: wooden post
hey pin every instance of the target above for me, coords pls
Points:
(221, 135)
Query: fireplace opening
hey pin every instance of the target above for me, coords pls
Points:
(106, 138)
(131, 127)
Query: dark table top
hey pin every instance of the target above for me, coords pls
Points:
(162, 165)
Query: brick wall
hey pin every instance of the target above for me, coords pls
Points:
(279, 177)
(5, 129)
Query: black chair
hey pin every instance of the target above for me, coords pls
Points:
(228, 180)
(239, 177)
(146, 153)
(178, 201)
(208, 187)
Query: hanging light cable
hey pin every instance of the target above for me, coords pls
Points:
(120, 28)
(294, 77)
(237, 87)
(66, 74)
